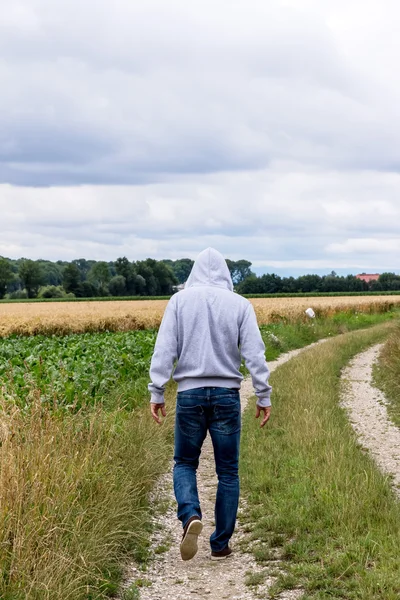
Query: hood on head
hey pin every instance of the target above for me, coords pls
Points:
(210, 268)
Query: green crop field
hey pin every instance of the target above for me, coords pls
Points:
(77, 370)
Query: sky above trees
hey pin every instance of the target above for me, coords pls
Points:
(267, 129)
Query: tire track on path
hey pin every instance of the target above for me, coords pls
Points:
(366, 406)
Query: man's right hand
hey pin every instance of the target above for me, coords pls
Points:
(267, 413)
(154, 411)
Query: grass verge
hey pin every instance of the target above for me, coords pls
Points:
(387, 374)
(282, 337)
(73, 497)
(313, 491)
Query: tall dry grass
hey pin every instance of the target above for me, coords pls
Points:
(73, 494)
(73, 317)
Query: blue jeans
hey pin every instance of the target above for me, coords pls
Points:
(216, 410)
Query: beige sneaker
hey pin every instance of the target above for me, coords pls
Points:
(192, 530)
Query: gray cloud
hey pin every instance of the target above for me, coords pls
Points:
(122, 92)
(266, 129)
(282, 218)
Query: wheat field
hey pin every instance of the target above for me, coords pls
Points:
(79, 317)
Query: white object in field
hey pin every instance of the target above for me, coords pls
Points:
(310, 313)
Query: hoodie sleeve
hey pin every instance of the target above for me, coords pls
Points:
(252, 350)
(164, 355)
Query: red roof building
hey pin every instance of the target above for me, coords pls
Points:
(368, 277)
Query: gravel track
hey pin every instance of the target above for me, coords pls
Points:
(170, 578)
(366, 406)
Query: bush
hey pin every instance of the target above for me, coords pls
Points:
(17, 295)
(52, 291)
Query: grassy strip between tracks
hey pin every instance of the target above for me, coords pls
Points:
(313, 492)
(387, 374)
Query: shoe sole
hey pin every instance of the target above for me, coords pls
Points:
(189, 543)
(221, 557)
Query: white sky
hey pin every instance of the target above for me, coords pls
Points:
(268, 129)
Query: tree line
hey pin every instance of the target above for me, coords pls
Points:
(274, 284)
(82, 278)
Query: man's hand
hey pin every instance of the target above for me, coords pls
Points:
(154, 411)
(267, 413)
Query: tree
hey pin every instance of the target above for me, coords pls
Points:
(375, 286)
(251, 285)
(100, 276)
(389, 281)
(117, 285)
(353, 284)
(84, 266)
(181, 268)
(6, 276)
(159, 277)
(52, 273)
(150, 286)
(266, 284)
(289, 285)
(123, 267)
(166, 279)
(31, 276)
(86, 290)
(127, 270)
(71, 278)
(308, 283)
(271, 283)
(140, 285)
(239, 270)
(333, 283)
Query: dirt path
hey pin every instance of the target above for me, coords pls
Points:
(169, 578)
(368, 414)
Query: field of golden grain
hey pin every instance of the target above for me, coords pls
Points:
(79, 317)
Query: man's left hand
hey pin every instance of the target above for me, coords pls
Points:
(266, 410)
(154, 411)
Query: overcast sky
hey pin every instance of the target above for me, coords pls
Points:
(268, 129)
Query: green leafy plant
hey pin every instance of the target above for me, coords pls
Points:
(77, 370)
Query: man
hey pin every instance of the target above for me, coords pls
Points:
(207, 328)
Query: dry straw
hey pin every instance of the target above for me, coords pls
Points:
(74, 317)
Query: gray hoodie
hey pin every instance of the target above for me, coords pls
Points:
(207, 328)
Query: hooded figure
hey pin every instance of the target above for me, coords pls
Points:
(206, 331)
